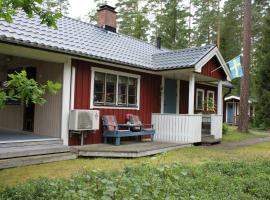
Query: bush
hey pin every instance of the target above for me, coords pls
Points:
(215, 180)
(225, 129)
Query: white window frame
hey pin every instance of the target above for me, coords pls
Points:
(199, 90)
(117, 73)
(210, 92)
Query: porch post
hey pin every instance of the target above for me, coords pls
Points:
(66, 84)
(191, 94)
(162, 95)
(219, 99)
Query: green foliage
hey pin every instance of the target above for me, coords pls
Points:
(19, 87)
(225, 129)
(215, 180)
(173, 28)
(132, 18)
(8, 8)
(206, 21)
(60, 6)
(262, 117)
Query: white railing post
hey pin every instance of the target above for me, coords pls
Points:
(216, 126)
(191, 94)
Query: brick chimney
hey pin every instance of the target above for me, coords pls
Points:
(106, 18)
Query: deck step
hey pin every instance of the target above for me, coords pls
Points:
(39, 159)
(209, 140)
(20, 143)
(14, 152)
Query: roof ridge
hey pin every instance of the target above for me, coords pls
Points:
(185, 49)
(117, 33)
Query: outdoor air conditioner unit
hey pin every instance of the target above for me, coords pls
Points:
(82, 120)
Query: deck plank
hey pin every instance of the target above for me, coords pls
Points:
(126, 149)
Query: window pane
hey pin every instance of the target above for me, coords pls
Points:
(99, 87)
(110, 88)
(132, 91)
(122, 90)
(210, 101)
(199, 100)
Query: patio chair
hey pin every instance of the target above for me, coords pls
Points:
(139, 126)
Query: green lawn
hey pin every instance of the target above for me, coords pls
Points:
(191, 156)
(234, 136)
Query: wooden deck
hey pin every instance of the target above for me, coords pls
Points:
(126, 149)
(19, 149)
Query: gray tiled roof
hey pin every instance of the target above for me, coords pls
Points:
(181, 58)
(83, 39)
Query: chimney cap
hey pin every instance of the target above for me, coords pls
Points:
(107, 7)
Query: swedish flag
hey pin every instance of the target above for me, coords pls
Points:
(236, 67)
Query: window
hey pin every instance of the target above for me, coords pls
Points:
(99, 89)
(115, 89)
(199, 99)
(122, 90)
(210, 100)
(132, 91)
(111, 81)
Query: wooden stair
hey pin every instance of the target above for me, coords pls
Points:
(208, 139)
(20, 153)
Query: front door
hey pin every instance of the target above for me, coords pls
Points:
(170, 95)
(29, 110)
(230, 112)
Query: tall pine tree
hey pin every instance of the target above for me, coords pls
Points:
(170, 23)
(132, 18)
(173, 25)
(206, 21)
(263, 76)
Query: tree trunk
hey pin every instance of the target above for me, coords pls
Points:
(244, 119)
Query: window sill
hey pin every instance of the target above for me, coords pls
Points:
(116, 107)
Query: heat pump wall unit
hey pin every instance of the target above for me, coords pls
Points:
(81, 120)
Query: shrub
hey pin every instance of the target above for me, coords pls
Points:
(215, 180)
(225, 129)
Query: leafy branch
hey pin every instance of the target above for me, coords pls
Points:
(19, 87)
(9, 8)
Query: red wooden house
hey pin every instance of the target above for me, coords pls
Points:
(116, 74)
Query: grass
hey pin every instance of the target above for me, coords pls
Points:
(235, 136)
(189, 156)
(212, 180)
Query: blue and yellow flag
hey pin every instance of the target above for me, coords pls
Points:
(236, 67)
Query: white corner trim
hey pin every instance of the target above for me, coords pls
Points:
(118, 73)
(66, 100)
(219, 99)
(162, 95)
(212, 53)
(191, 94)
(72, 90)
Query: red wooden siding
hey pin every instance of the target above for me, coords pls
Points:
(210, 66)
(149, 98)
(205, 88)
(184, 90)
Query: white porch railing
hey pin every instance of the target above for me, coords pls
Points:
(216, 125)
(177, 128)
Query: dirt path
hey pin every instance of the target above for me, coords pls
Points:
(233, 145)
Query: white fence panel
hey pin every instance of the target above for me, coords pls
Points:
(216, 126)
(177, 128)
